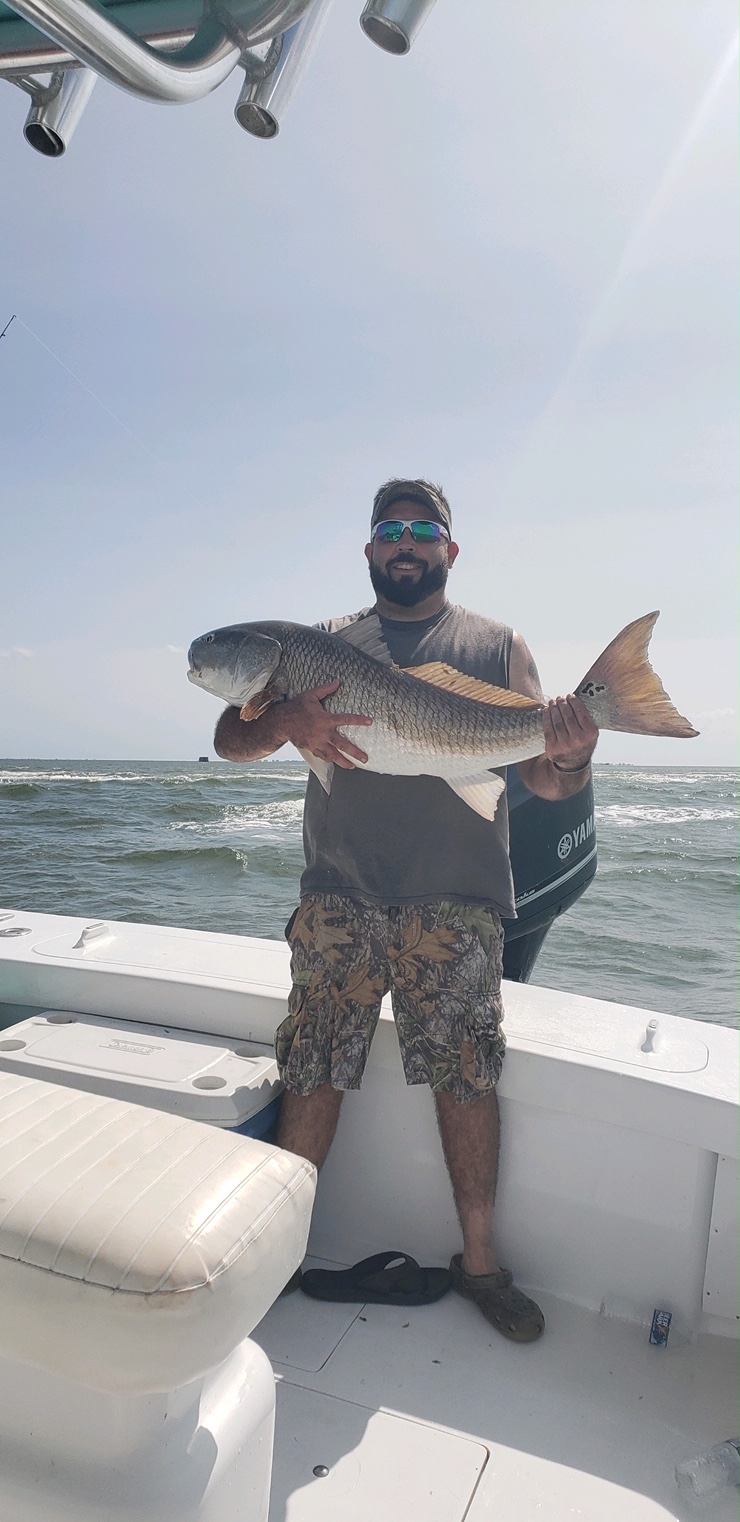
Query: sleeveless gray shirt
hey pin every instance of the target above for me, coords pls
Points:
(407, 840)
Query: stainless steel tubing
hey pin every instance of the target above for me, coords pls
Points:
(267, 88)
(393, 24)
(43, 58)
(55, 112)
(95, 39)
(164, 24)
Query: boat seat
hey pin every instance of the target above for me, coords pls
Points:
(137, 1249)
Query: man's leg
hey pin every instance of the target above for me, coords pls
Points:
(448, 1010)
(308, 1122)
(339, 977)
(470, 1136)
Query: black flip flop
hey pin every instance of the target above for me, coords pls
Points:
(388, 1278)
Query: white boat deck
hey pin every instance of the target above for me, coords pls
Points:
(428, 1415)
(617, 1195)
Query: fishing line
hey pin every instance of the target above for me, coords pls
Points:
(60, 361)
(183, 491)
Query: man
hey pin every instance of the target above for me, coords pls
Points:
(405, 887)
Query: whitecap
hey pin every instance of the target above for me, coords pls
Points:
(281, 816)
(624, 813)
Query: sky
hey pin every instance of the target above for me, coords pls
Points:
(506, 262)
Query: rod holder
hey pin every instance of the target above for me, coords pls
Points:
(271, 79)
(56, 109)
(393, 24)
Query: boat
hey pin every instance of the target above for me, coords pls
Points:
(151, 1367)
(146, 1344)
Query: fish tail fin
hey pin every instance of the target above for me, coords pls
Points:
(621, 691)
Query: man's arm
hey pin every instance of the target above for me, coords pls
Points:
(570, 734)
(302, 721)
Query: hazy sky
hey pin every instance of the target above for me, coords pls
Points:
(506, 261)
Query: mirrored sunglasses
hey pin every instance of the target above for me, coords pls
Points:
(423, 531)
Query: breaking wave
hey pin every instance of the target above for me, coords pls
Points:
(283, 814)
(640, 813)
(58, 776)
(20, 789)
(226, 776)
(213, 857)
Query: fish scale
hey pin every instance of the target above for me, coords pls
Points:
(412, 721)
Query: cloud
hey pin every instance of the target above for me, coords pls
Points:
(175, 649)
(22, 650)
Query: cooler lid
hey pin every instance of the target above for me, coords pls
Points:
(206, 1078)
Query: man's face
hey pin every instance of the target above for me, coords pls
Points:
(407, 572)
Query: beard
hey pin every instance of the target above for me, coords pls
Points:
(406, 591)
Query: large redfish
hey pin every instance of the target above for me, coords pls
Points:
(431, 719)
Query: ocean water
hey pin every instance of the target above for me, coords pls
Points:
(218, 847)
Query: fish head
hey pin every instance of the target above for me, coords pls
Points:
(234, 663)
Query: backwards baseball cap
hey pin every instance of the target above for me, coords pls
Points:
(431, 499)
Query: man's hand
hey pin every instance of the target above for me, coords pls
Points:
(570, 733)
(308, 726)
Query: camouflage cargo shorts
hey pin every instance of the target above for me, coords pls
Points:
(441, 962)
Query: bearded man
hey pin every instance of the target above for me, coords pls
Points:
(396, 864)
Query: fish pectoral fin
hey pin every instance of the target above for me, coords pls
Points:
(257, 705)
(446, 677)
(481, 792)
(324, 770)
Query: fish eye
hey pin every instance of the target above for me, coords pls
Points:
(209, 639)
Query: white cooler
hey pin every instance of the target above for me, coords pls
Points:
(231, 1084)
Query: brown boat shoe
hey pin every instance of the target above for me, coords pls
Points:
(507, 1308)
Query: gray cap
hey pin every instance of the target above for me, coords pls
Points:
(431, 499)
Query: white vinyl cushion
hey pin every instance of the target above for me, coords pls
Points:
(137, 1249)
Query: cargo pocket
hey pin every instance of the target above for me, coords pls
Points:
(479, 920)
(483, 1049)
(296, 1046)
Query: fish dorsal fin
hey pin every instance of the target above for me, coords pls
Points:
(470, 687)
(367, 635)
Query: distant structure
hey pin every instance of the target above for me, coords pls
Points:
(173, 50)
(202, 758)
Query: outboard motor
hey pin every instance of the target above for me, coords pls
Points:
(553, 859)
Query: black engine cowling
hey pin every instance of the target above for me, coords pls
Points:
(553, 859)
